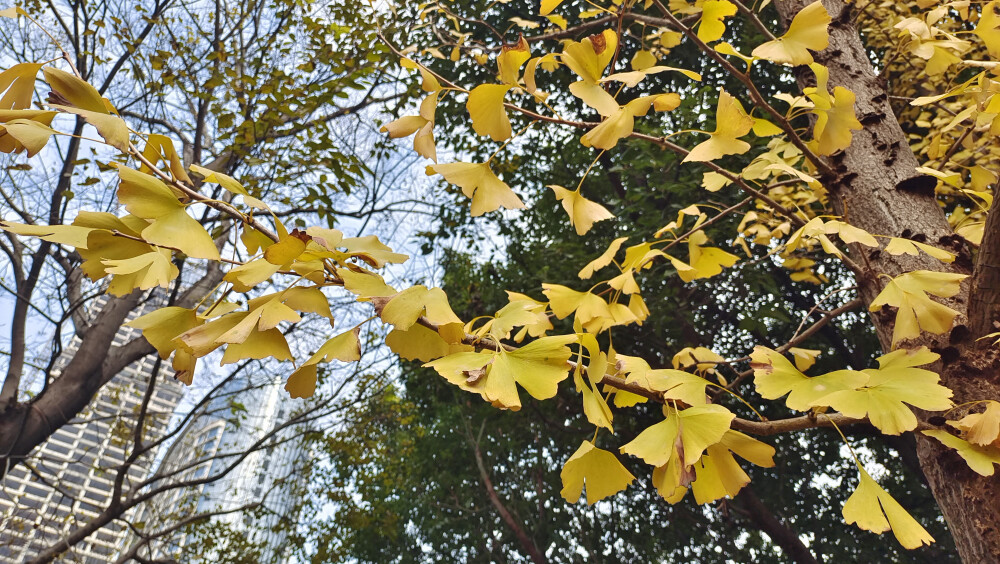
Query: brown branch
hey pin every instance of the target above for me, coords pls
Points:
(766, 521)
(756, 97)
(522, 536)
(801, 423)
(800, 337)
(665, 143)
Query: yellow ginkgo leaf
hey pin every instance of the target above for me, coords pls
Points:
(184, 365)
(30, 135)
(598, 469)
(302, 382)
(307, 300)
(849, 233)
(583, 213)
(345, 347)
(242, 330)
(18, 86)
(834, 124)
(203, 339)
(372, 251)
(231, 185)
(422, 125)
(873, 509)
(406, 307)
(643, 59)
(478, 182)
(697, 427)
(365, 284)
(633, 78)
(143, 271)
(102, 246)
(808, 31)
(666, 102)
(592, 312)
(909, 292)
(70, 235)
(162, 326)
(31, 125)
(713, 12)
(559, 21)
(485, 106)
(982, 428)
(287, 249)
(595, 96)
(638, 257)
(702, 359)
(804, 358)
(111, 127)
(835, 116)
(246, 276)
(510, 60)
(898, 246)
(897, 381)
(704, 262)
(548, 6)
(522, 311)
(420, 343)
(775, 376)
(604, 260)
(625, 283)
(988, 28)
(259, 345)
(540, 323)
(713, 181)
(78, 92)
(149, 198)
(617, 124)
(731, 123)
(430, 82)
(538, 367)
(548, 60)
(161, 148)
(588, 58)
(672, 480)
(979, 458)
(719, 475)
(673, 384)
(595, 407)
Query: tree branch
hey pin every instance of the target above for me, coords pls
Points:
(984, 292)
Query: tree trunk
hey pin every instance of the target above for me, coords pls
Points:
(875, 187)
(26, 425)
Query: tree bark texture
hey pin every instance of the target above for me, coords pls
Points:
(875, 186)
(26, 425)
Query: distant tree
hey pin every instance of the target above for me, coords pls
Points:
(255, 90)
(834, 179)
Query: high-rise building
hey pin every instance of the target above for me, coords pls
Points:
(68, 479)
(245, 414)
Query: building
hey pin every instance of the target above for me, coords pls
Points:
(68, 479)
(243, 415)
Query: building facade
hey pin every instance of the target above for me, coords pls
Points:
(68, 480)
(244, 415)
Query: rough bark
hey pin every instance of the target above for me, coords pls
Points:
(26, 425)
(26, 285)
(875, 187)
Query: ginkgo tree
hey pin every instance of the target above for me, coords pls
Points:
(833, 176)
